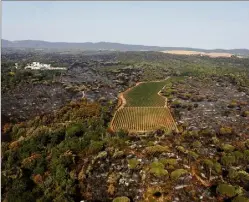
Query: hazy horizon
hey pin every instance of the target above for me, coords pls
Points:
(204, 25)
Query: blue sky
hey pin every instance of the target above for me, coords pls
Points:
(176, 24)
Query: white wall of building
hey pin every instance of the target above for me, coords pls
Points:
(38, 65)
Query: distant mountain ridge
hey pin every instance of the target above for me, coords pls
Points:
(36, 44)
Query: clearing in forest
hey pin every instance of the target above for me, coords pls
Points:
(143, 109)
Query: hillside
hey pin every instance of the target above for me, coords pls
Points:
(58, 144)
(107, 46)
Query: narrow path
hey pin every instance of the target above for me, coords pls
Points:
(122, 98)
(166, 99)
(83, 94)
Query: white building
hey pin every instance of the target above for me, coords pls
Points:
(41, 66)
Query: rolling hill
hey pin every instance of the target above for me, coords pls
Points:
(108, 46)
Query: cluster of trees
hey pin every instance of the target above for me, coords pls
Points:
(158, 65)
(41, 158)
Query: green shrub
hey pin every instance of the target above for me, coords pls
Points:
(245, 114)
(196, 144)
(192, 134)
(177, 173)
(225, 131)
(19, 186)
(39, 170)
(21, 132)
(244, 176)
(232, 173)
(157, 149)
(40, 131)
(181, 149)
(240, 199)
(15, 129)
(20, 197)
(238, 156)
(215, 140)
(121, 199)
(193, 155)
(208, 163)
(233, 104)
(118, 154)
(247, 143)
(101, 155)
(95, 147)
(150, 143)
(246, 156)
(217, 168)
(60, 173)
(73, 130)
(205, 132)
(168, 162)
(227, 147)
(228, 160)
(226, 190)
(176, 104)
(116, 142)
(122, 133)
(63, 197)
(133, 163)
(57, 136)
(157, 169)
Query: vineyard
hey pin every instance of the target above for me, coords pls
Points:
(145, 95)
(142, 108)
(139, 119)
